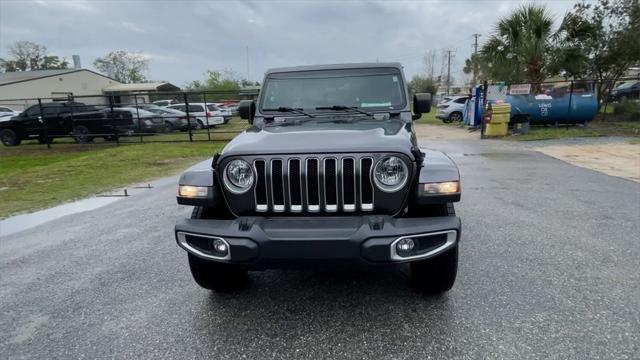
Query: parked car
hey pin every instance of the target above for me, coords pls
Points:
(165, 102)
(324, 180)
(104, 122)
(146, 121)
(59, 119)
(206, 114)
(233, 107)
(145, 106)
(4, 111)
(629, 90)
(224, 111)
(451, 108)
(8, 115)
(174, 119)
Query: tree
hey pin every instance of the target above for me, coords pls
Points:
(422, 84)
(599, 42)
(431, 61)
(27, 56)
(226, 82)
(478, 64)
(520, 46)
(124, 66)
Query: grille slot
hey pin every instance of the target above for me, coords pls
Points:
(366, 187)
(277, 185)
(261, 186)
(348, 184)
(295, 185)
(313, 193)
(330, 185)
(314, 184)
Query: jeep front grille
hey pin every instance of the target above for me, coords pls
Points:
(314, 184)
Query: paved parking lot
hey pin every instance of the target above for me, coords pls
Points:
(549, 265)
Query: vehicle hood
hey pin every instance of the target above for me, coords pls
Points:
(313, 138)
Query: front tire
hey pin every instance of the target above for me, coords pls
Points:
(213, 275)
(9, 137)
(436, 275)
(455, 117)
(217, 276)
(81, 134)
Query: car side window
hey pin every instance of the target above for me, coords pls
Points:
(50, 111)
(4, 109)
(195, 108)
(461, 100)
(178, 107)
(33, 111)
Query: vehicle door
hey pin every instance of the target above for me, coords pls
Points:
(31, 122)
(52, 117)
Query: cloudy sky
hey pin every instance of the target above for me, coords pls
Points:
(185, 38)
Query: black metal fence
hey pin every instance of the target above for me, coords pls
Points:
(119, 118)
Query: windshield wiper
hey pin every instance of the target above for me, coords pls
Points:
(290, 110)
(343, 108)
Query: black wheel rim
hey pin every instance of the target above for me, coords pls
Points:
(8, 138)
(81, 134)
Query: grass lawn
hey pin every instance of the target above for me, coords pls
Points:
(594, 128)
(33, 177)
(430, 118)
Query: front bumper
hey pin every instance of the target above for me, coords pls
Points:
(262, 242)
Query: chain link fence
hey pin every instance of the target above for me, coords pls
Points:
(124, 117)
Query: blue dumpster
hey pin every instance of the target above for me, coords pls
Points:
(557, 103)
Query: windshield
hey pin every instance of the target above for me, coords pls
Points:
(374, 91)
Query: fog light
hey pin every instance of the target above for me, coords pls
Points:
(405, 247)
(220, 247)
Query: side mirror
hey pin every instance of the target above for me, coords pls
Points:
(247, 110)
(421, 104)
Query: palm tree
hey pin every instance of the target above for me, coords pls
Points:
(519, 47)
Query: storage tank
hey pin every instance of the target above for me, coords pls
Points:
(558, 103)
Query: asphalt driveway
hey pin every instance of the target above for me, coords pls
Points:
(549, 265)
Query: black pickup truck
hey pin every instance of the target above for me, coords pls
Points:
(329, 172)
(59, 119)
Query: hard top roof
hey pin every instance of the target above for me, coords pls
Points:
(335, 67)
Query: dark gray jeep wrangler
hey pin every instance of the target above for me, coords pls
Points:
(329, 172)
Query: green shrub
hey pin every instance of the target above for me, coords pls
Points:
(629, 109)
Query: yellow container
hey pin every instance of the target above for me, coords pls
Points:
(496, 129)
(504, 108)
(501, 113)
(500, 118)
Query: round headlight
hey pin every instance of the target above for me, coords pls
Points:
(390, 174)
(238, 176)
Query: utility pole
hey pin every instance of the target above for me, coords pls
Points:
(474, 57)
(448, 71)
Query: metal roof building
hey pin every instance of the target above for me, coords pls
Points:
(21, 89)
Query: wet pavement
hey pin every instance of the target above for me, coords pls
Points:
(548, 269)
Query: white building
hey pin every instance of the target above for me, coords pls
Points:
(21, 89)
(28, 86)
